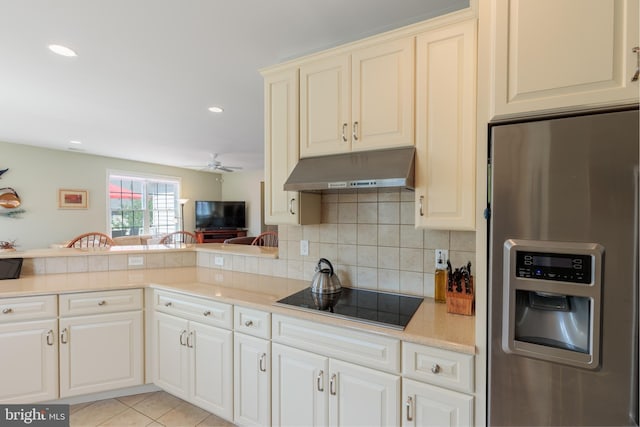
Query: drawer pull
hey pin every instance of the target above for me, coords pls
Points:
(332, 385)
(207, 313)
(182, 341)
(436, 368)
(420, 204)
(103, 302)
(168, 304)
(50, 337)
(320, 381)
(262, 364)
(409, 405)
(7, 311)
(63, 336)
(248, 323)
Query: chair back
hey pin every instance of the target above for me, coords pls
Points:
(179, 237)
(93, 239)
(268, 238)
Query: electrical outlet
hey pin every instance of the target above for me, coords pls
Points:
(304, 247)
(442, 255)
(218, 261)
(136, 260)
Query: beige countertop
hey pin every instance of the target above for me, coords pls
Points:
(431, 325)
(246, 250)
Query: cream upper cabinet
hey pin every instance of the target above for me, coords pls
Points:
(445, 127)
(558, 55)
(360, 100)
(282, 153)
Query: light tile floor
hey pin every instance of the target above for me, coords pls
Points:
(147, 409)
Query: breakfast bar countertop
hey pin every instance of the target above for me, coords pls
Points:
(431, 325)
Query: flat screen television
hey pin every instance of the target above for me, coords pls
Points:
(218, 215)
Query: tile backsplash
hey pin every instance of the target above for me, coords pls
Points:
(370, 238)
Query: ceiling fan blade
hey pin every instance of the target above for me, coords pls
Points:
(225, 169)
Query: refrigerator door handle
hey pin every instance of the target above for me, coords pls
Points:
(635, 402)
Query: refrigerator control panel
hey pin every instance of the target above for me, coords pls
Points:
(560, 267)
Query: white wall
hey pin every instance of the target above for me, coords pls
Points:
(245, 186)
(37, 174)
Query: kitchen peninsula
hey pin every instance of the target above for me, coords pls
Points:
(435, 352)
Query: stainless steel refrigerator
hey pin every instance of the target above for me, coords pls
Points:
(563, 271)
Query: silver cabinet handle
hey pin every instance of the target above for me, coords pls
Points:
(248, 323)
(103, 302)
(344, 132)
(291, 206)
(636, 50)
(262, 363)
(332, 385)
(420, 203)
(50, 337)
(435, 368)
(190, 340)
(7, 311)
(207, 313)
(168, 304)
(355, 131)
(320, 381)
(182, 341)
(409, 405)
(63, 336)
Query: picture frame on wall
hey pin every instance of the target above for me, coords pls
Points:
(73, 199)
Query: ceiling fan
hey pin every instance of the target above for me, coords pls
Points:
(214, 165)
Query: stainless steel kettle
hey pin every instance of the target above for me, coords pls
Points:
(325, 281)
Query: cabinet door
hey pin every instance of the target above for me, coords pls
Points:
(300, 390)
(325, 109)
(445, 133)
(426, 405)
(211, 376)
(383, 95)
(558, 55)
(101, 352)
(282, 153)
(352, 390)
(170, 354)
(28, 361)
(252, 380)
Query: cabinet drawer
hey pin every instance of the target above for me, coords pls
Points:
(374, 351)
(193, 308)
(28, 308)
(436, 366)
(100, 302)
(252, 322)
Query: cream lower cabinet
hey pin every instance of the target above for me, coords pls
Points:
(326, 375)
(437, 387)
(100, 341)
(310, 389)
(252, 380)
(559, 55)
(282, 153)
(445, 127)
(28, 349)
(192, 359)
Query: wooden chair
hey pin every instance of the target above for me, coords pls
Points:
(179, 237)
(94, 239)
(268, 238)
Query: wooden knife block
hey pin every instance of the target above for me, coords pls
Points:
(462, 302)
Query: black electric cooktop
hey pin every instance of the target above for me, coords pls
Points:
(377, 308)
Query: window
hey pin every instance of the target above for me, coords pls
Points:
(143, 205)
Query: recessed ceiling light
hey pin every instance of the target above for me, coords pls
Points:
(75, 142)
(62, 50)
(216, 109)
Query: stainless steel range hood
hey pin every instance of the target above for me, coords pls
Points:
(363, 169)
